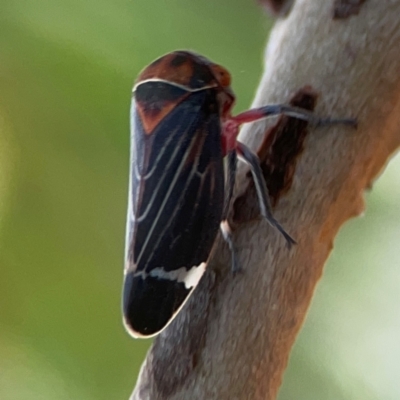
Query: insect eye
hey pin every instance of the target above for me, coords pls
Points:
(222, 75)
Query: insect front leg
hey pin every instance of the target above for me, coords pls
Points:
(225, 228)
(231, 130)
(253, 161)
(291, 111)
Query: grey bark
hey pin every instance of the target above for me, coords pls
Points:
(233, 338)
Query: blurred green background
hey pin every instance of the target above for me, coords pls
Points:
(66, 72)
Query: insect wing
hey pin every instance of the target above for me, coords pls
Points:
(175, 207)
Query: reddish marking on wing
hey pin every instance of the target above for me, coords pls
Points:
(222, 75)
(151, 114)
(181, 67)
(162, 69)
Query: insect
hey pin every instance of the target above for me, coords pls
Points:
(179, 198)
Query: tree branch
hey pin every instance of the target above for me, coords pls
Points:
(232, 340)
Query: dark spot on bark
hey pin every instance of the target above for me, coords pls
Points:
(278, 154)
(277, 7)
(279, 151)
(346, 8)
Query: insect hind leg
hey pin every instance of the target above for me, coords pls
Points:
(262, 191)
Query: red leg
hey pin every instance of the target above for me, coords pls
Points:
(230, 128)
(296, 112)
(230, 131)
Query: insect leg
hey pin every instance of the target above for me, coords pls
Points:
(225, 228)
(252, 160)
(230, 181)
(291, 111)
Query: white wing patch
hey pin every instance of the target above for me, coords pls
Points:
(190, 278)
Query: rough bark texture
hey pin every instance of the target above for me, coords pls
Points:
(233, 338)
